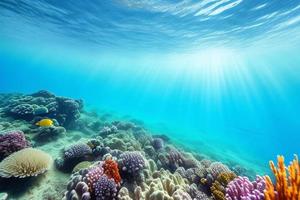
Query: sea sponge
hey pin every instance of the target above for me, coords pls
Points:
(11, 142)
(111, 170)
(287, 185)
(105, 188)
(131, 163)
(242, 188)
(24, 163)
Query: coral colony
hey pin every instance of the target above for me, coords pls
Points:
(118, 159)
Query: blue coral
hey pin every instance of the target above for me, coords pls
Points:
(131, 162)
(105, 188)
(77, 151)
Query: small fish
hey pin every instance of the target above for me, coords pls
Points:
(44, 122)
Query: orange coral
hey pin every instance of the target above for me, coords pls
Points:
(111, 170)
(287, 186)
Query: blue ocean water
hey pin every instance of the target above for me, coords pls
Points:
(221, 77)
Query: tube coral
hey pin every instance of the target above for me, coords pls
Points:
(287, 185)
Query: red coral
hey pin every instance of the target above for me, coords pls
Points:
(111, 170)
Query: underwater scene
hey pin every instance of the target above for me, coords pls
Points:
(149, 100)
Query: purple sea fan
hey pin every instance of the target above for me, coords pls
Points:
(11, 142)
(242, 188)
(77, 151)
(105, 188)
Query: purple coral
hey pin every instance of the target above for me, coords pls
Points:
(216, 168)
(105, 188)
(11, 142)
(157, 143)
(131, 162)
(77, 151)
(242, 188)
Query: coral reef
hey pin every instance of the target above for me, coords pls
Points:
(65, 110)
(24, 163)
(287, 185)
(12, 141)
(242, 188)
(115, 159)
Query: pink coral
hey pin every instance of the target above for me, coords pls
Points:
(11, 142)
(93, 175)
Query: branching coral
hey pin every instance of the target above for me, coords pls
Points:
(24, 163)
(242, 188)
(287, 186)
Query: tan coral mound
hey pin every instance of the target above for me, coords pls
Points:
(164, 186)
(24, 163)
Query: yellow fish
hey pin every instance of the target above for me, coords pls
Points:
(44, 122)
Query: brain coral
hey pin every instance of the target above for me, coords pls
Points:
(11, 142)
(24, 163)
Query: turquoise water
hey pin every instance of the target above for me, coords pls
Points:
(219, 77)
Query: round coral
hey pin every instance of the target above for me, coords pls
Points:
(11, 142)
(105, 188)
(24, 163)
(132, 162)
(77, 151)
(111, 170)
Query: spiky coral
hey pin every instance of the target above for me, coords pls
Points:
(287, 186)
(111, 170)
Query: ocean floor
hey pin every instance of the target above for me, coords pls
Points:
(131, 161)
